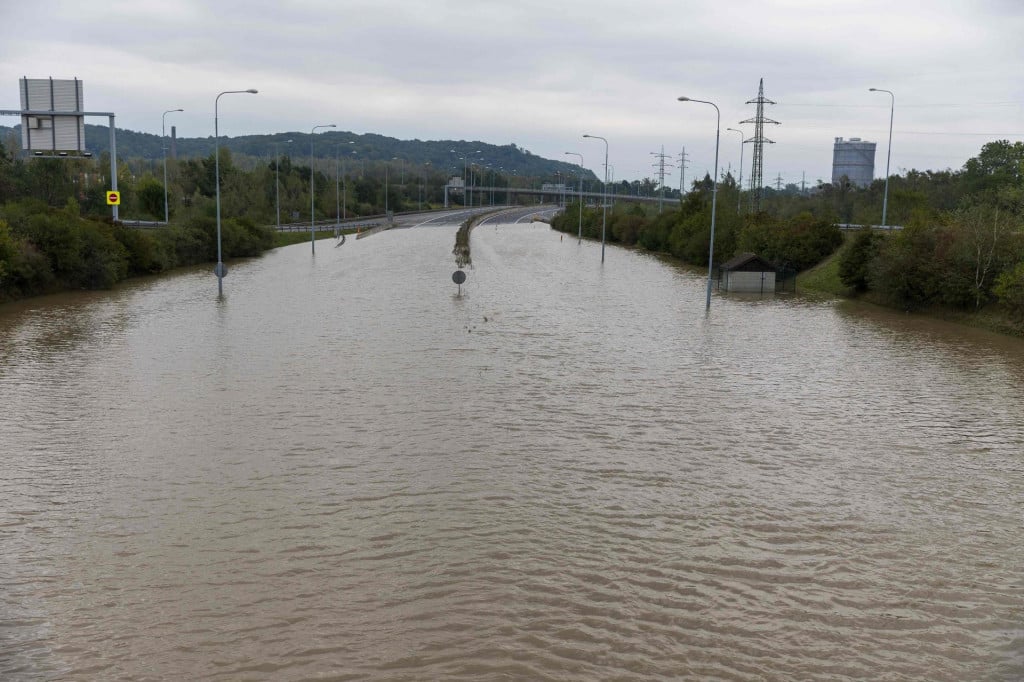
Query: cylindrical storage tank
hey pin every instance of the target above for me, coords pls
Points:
(854, 159)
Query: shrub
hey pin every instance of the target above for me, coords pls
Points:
(856, 259)
(1009, 289)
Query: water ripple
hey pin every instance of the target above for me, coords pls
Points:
(570, 473)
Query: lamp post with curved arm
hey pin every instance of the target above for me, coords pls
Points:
(579, 232)
(604, 202)
(739, 184)
(163, 138)
(216, 171)
(888, 156)
(312, 181)
(714, 194)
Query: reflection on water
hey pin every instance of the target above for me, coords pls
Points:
(345, 470)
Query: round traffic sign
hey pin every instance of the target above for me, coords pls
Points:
(220, 270)
(458, 276)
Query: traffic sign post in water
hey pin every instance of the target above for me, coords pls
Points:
(459, 277)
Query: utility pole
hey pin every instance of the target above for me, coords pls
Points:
(759, 140)
(682, 170)
(660, 165)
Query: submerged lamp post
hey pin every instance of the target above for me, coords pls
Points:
(216, 171)
(579, 232)
(604, 202)
(312, 193)
(888, 156)
(714, 193)
(163, 135)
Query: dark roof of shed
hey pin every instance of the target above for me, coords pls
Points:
(748, 262)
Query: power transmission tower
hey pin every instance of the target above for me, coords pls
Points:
(778, 183)
(660, 165)
(759, 140)
(682, 170)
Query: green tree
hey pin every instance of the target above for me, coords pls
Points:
(1009, 289)
(905, 271)
(150, 195)
(999, 164)
(855, 262)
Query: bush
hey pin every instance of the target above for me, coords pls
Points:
(1009, 289)
(104, 261)
(856, 259)
(905, 272)
(799, 243)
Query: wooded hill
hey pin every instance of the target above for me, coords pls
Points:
(367, 147)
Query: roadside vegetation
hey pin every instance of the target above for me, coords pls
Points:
(959, 253)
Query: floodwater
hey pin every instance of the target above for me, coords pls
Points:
(344, 470)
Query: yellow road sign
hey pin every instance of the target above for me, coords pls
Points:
(113, 198)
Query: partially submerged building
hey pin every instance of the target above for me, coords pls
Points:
(748, 273)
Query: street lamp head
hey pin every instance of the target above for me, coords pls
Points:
(872, 89)
(585, 135)
(252, 91)
(684, 99)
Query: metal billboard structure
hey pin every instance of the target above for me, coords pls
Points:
(53, 122)
(59, 124)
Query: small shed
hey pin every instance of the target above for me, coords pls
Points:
(748, 273)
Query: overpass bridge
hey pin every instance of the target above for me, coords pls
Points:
(484, 194)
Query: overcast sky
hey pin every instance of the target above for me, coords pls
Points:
(541, 73)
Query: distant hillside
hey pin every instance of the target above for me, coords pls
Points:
(368, 147)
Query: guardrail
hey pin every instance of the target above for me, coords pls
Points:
(322, 225)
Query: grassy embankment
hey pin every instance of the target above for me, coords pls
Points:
(823, 280)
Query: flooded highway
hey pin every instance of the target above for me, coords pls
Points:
(345, 470)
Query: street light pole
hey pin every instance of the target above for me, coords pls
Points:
(604, 202)
(277, 180)
(163, 138)
(714, 194)
(312, 182)
(216, 171)
(337, 189)
(739, 184)
(888, 156)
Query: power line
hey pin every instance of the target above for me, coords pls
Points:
(905, 106)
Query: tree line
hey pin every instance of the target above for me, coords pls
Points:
(959, 243)
(960, 246)
(56, 231)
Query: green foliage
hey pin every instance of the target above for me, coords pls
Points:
(905, 271)
(150, 195)
(855, 260)
(78, 253)
(147, 251)
(655, 235)
(999, 164)
(798, 243)
(44, 250)
(104, 260)
(1009, 289)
